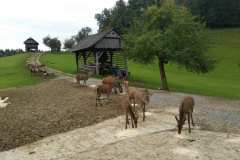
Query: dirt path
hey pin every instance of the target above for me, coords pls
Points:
(215, 136)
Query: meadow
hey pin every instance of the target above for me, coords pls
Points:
(15, 73)
(223, 81)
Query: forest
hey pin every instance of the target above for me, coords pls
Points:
(215, 13)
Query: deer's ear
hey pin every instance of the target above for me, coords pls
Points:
(176, 118)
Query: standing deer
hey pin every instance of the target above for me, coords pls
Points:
(101, 89)
(185, 108)
(127, 108)
(83, 77)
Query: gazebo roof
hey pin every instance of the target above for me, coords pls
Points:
(30, 41)
(88, 42)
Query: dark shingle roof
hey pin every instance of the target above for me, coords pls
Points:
(30, 41)
(89, 41)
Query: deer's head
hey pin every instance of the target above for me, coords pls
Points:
(180, 124)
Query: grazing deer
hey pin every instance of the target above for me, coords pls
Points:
(127, 108)
(116, 84)
(83, 77)
(185, 108)
(138, 96)
(125, 84)
(114, 81)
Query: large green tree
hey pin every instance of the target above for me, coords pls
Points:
(82, 33)
(53, 43)
(170, 34)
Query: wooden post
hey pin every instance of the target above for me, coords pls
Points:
(76, 53)
(84, 57)
(126, 67)
(111, 56)
(96, 61)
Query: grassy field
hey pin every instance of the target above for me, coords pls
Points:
(222, 82)
(15, 73)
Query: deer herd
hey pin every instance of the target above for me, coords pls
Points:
(135, 96)
(140, 97)
(34, 68)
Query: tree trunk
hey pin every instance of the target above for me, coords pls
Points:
(162, 74)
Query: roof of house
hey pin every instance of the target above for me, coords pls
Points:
(30, 41)
(89, 41)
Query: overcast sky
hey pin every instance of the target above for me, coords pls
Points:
(21, 19)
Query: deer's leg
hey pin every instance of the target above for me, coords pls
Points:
(78, 82)
(189, 123)
(144, 112)
(126, 121)
(96, 98)
(192, 119)
(132, 123)
(108, 97)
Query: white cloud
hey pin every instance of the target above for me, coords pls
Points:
(20, 20)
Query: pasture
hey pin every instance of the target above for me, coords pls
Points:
(15, 73)
(221, 82)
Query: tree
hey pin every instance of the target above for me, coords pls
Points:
(103, 19)
(82, 33)
(53, 43)
(68, 44)
(171, 34)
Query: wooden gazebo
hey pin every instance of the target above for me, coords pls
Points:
(31, 45)
(94, 52)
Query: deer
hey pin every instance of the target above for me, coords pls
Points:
(32, 69)
(115, 82)
(185, 108)
(126, 83)
(41, 66)
(127, 108)
(140, 97)
(83, 77)
(101, 89)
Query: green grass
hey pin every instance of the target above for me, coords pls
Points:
(63, 61)
(15, 73)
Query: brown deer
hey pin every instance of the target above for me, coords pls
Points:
(127, 108)
(185, 108)
(83, 77)
(138, 97)
(126, 83)
(101, 89)
(115, 83)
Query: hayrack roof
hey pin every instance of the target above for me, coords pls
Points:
(30, 41)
